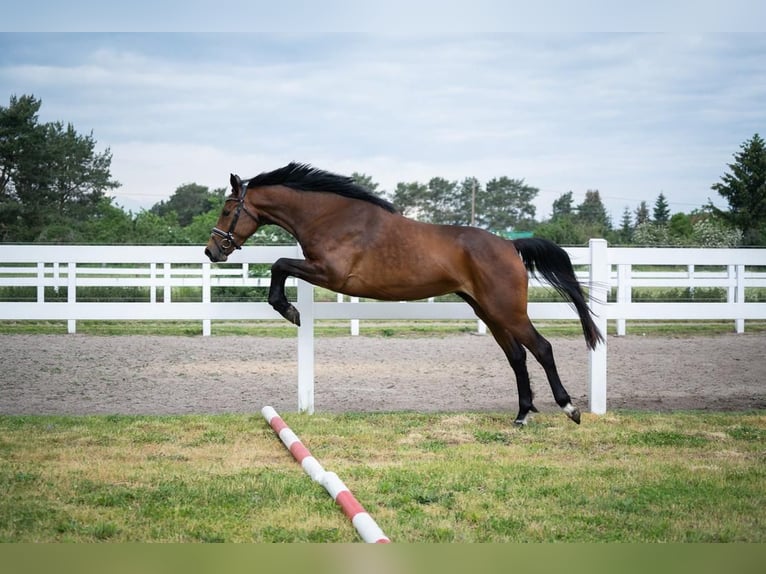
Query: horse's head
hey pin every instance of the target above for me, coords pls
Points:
(222, 243)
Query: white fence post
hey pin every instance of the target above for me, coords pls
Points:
(206, 299)
(340, 298)
(739, 323)
(354, 322)
(41, 282)
(624, 294)
(167, 287)
(153, 280)
(598, 287)
(306, 348)
(71, 294)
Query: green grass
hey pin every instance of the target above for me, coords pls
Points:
(632, 477)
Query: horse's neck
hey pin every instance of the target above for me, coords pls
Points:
(294, 211)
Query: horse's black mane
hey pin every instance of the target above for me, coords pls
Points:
(304, 177)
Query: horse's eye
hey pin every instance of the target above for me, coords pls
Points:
(226, 213)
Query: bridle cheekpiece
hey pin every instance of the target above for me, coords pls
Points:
(227, 237)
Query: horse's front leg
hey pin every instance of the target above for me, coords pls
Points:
(280, 271)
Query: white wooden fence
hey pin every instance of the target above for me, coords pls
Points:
(163, 268)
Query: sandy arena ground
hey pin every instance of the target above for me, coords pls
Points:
(80, 374)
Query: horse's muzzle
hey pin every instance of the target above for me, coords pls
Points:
(215, 255)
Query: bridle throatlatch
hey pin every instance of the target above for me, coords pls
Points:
(227, 237)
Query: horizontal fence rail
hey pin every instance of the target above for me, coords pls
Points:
(51, 275)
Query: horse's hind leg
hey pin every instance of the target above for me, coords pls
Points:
(516, 356)
(543, 352)
(511, 337)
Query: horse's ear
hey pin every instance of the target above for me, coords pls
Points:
(236, 183)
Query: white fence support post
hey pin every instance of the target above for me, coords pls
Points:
(56, 276)
(153, 281)
(206, 299)
(306, 348)
(71, 294)
(355, 322)
(41, 282)
(340, 298)
(624, 294)
(739, 297)
(167, 287)
(598, 287)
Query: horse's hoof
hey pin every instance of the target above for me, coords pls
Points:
(522, 419)
(572, 412)
(293, 315)
(575, 416)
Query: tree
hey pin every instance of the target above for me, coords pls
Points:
(563, 206)
(502, 205)
(198, 231)
(745, 190)
(365, 181)
(411, 199)
(188, 201)
(626, 226)
(436, 202)
(661, 214)
(680, 228)
(592, 214)
(506, 205)
(108, 224)
(563, 231)
(712, 233)
(51, 177)
(444, 204)
(151, 228)
(649, 233)
(642, 214)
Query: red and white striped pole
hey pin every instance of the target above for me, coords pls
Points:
(367, 528)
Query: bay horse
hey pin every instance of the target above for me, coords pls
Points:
(356, 243)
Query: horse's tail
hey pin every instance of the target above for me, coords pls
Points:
(553, 263)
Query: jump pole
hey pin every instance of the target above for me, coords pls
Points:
(367, 528)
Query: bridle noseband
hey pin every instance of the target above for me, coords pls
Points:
(227, 237)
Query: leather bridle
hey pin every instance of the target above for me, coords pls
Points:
(227, 237)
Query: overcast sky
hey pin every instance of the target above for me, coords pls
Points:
(631, 115)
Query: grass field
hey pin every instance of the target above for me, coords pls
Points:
(637, 477)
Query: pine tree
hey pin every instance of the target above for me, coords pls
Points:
(661, 214)
(642, 214)
(626, 227)
(592, 211)
(745, 190)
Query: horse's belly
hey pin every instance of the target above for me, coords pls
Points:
(395, 288)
